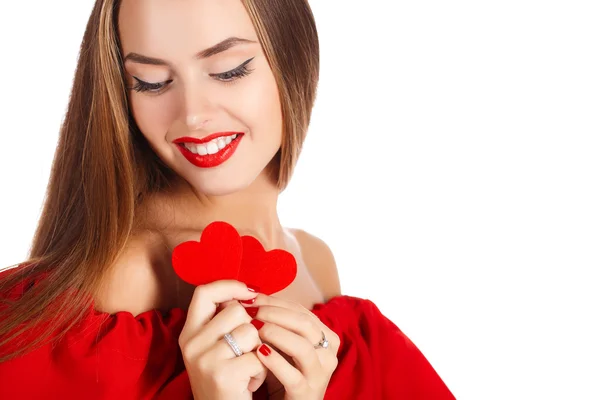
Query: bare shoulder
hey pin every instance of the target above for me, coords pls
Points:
(131, 284)
(320, 262)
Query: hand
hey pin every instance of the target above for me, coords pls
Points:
(215, 372)
(294, 330)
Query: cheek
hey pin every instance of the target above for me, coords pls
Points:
(153, 116)
(261, 108)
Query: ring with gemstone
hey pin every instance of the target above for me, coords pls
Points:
(324, 343)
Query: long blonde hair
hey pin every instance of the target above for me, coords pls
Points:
(103, 168)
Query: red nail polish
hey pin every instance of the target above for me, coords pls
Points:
(252, 311)
(257, 324)
(251, 301)
(253, 288)
(264, 350)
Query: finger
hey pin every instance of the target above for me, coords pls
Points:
(257, 381)
(222, 306)
(312, 329)
(263, 300)
(295, 321)
(302, 352)
(245, 366)
(266, 300)
(245, 336)
(292, 379)
(207, 297)
(224, 322)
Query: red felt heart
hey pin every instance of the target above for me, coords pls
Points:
(266, 271)
(222, 254)
(216, 256)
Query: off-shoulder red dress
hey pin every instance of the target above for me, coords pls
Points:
(119, 356)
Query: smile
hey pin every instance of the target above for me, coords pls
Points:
(208, 154)
(211, 147)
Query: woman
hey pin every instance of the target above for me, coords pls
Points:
(181, 114)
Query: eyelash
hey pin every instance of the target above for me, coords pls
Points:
(228, 78)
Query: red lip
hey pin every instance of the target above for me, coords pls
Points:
(206, 139)
(208, 160)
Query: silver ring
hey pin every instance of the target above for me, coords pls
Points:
(232, 343)
(324, 343)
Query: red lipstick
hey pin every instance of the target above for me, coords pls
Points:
(208, 160)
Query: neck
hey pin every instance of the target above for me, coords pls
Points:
(252, 211)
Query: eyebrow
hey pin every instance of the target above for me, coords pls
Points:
(206, 53)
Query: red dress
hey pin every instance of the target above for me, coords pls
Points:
(120, 356)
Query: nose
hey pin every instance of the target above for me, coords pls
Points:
(195, 122)
(197, 107)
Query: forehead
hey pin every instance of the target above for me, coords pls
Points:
(163, 27)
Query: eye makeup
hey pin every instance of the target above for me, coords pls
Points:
(227, 77)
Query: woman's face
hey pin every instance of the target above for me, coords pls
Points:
(182, 92)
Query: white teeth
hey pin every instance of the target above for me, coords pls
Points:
(190, 148)
(211, 147)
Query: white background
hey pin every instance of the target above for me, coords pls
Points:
(452, 165)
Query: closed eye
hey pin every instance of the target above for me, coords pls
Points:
(141, 86)
(235, 73)
(225, 77)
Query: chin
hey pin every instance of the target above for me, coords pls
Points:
(221, 188)
(219, 185)
(233, 176)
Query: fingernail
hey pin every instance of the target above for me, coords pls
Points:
(264, 350)
(252, 311)
(253, 288)
(251, 301)
(257, 324)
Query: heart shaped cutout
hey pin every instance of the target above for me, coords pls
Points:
(266, 271)
(216, 256)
